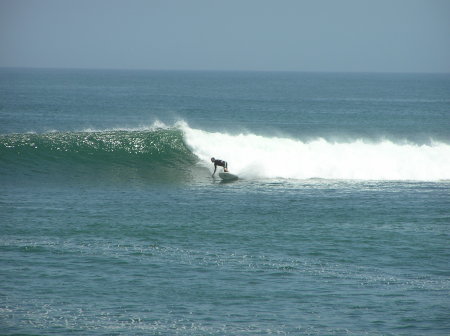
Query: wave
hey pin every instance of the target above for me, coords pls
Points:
(161, 145)
(168, 150)
(126, 154)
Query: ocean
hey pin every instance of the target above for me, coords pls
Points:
(112, 223)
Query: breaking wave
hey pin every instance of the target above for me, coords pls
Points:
(258, 156)
(162, 148)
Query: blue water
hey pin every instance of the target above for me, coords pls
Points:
(111, 223)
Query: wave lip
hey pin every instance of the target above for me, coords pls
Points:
(256, 156)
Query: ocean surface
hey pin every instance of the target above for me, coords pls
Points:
(111, 223)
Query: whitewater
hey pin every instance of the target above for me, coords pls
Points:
(256, 156)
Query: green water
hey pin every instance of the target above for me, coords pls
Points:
(111, 223)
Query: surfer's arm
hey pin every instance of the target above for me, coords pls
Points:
(215, 167)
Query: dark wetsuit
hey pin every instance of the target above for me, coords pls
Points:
(220, 163)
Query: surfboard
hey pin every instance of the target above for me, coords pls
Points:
(228, 176)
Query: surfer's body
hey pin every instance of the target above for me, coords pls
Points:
(220, 163)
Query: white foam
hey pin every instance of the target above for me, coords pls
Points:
(251, 155)
(157, 124)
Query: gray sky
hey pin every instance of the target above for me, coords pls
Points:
(298, 35)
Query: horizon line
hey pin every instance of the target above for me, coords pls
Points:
(223, 70)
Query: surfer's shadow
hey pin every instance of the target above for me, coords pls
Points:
(226, 181)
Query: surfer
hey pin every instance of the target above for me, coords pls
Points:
(220, 163)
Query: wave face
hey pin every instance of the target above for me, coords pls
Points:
(256, 156)
(166, 153)
(95, 153)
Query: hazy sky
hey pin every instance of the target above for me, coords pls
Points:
(313, 35)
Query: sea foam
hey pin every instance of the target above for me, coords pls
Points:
(256, 156)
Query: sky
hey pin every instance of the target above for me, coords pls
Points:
(254, 35)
